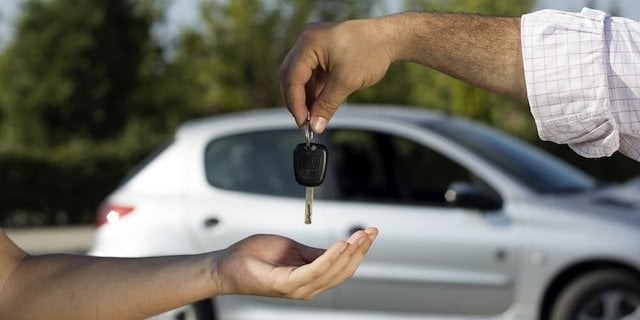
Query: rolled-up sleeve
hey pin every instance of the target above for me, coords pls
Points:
(574, 90)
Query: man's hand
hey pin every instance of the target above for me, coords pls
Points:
(332, 60)
(275, 266)
(329, 62)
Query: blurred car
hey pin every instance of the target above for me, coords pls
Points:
(633, 183)
(473, 224)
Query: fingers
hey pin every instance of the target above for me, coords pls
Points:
(306, 274)
(303, 77)
(293, 81)
(337, 264)
(305, 90)
(309, 89)
(364, 240)
(326, 104)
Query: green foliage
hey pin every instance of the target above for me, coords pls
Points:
(72, 70)
(61, 187)
(232, 62)
(78, 103)
(487, 7)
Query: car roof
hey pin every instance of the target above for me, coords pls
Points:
(280, 115)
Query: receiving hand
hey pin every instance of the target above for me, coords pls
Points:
(275, 266)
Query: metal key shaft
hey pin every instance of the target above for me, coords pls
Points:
(307, 205)
(308, 198)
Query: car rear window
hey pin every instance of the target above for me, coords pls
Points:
(145, 161)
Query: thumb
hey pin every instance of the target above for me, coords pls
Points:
(325, 105)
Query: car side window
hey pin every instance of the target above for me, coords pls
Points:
(426, 174)
(379, 167)
(257, 162)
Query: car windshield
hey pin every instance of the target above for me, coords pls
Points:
(532, 167)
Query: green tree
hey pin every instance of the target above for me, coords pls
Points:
(231, 63)
(486, 7)
(83, 96)
(72, 70)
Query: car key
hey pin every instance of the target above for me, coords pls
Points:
(309, 166)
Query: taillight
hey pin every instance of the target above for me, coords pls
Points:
(111, 213)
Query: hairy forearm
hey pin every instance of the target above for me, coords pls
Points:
(484, 51)
(81, 287)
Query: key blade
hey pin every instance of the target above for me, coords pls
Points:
(307, 205)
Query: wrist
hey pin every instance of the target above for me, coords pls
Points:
(403, 36)
(377, 34)
(219, 281)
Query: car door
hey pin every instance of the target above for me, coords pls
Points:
(429, 257)
(248, 187)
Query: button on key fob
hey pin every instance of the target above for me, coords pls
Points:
(310, 164)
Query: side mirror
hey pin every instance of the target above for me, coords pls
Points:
(468, 195)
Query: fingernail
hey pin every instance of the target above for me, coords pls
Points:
(371, 232)
(318, 124)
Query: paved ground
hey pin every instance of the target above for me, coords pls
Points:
(76, 239)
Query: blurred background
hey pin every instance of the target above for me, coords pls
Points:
(87, 88)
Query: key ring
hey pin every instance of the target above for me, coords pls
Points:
(308, 134)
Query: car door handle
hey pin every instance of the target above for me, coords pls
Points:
(354, 229)
(211, 222)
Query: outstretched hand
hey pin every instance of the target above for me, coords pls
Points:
(275, 266)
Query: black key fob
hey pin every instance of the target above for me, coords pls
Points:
(310, 164)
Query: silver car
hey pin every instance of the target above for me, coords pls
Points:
(473, 224)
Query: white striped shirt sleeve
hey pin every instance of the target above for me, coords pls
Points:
(582, 73)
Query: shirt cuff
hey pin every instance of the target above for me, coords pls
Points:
(565, 59)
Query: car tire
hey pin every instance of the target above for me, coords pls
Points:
(606, 294)
(201, 310)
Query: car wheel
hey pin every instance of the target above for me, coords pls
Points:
(201, 310)
(601, 295)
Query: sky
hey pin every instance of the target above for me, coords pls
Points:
(184, 12)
